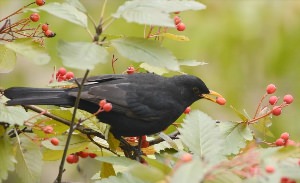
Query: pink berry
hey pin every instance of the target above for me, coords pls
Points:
(49, 33)
(69, 75)
(83, 154)
(48, 129)
(285, 136)
(45, 27)
(34, 17)
(130, 70)
(276, 111)
(177, 20)
(61, 72)
(270, 169)
(186, 157)
(102, 103)
(54, 141)
(180, 26)
(279, 142)
(221, 101)
(271, 88)
(273, 100)
(290, 142)
(72, 158)
(187, 110)
(107, 107)
(288, 99)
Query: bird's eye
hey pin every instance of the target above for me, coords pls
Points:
(196, 90)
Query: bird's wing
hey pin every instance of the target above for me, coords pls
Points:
(129, 98)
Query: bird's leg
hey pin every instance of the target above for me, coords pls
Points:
(132, 152)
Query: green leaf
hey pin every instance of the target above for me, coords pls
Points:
(121, 178)
(191, 63)
(148, 173)
(174, 37)
(191, 172)
(224, 177)
(156, 70)
(241, 115)
(7, 158)
(77, 4)
(107, 170)
(123, 161)
(159, 165)
(235, 135)
(30, 49)
(65, 11)
(201, 135)
(7, 60)
(81, 55)
(29, 158)
(148, 51)
(155, 12)
(13, 115)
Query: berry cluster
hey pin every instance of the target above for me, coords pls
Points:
(105, 106)
(47, 31)
(273, 109)
(180, 26)
(285, 140)
(74, 157)
(63, 75)
(47, 129)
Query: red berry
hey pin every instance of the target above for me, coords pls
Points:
(54, 141)
(34, 17)
(284, 180)
(145, 144)
(279, 142)
(270, 169)
(45, 27)
(271, 88)
(69, 75)
(186, 157)
(48, 129)
(290, 142)
(276, 111)
(83, 154)
(61, 72)
(107, 107)
(72, 158)
(180, 26)
(102, 103)
(130, 70)
(288, 99)
(40, 2)
(221, 101)
(49, 33)
(177, 20)
(273, 100)
(187, 110)
(92, 155)
(285, 136)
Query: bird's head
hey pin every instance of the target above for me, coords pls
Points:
(196, 89)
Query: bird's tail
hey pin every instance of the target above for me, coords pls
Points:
(38, 96)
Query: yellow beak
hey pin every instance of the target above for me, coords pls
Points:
(212, 96)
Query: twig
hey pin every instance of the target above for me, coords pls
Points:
(61, 167)
(100, 146)
(158, 140)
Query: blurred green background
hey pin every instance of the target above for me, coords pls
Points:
(246, 43)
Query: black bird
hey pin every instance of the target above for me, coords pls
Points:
(143, 103)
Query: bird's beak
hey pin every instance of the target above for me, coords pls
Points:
(212, 96)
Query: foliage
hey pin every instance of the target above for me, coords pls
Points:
(219, 151)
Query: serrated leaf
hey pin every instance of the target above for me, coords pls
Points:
(148, 51)
(7, 60)
(191, 172)
(29, 49)
(65, 11)
(155, 12)
(81, 55)
(13, 115)
(191, 63)
(166, 138)
(164, 145)
(29, 160)
(201, 135)
(241, 115)
(235, 135)
(7, 158)
(174, 37)
(159, 165)
(107, 170)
